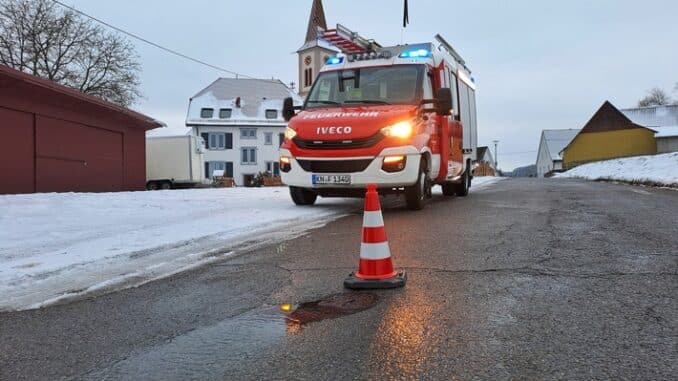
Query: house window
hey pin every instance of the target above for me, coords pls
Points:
(248, 155)
(224, 113)
(271, 114)
(218, 140)
(273, 167)
(212, 166)
(268, 138)
(248, 133)
(206, 113)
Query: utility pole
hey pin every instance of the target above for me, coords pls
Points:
(495, 154)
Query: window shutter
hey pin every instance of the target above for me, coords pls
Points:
(229, 140)
(229, 169)
(207, 170)
(206, 138)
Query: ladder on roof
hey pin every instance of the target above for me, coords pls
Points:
(347, 41)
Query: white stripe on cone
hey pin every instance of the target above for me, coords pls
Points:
(374, 250)
(373, 219)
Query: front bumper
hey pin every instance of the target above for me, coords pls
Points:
(373, 174)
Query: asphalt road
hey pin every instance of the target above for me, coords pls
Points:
(526, 279)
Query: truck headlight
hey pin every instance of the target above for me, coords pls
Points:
(290, 133)
(399, 130)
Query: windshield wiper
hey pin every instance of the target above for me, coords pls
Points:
(369, 101)
(325, 102)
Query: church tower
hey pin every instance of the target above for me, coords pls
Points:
(314, 52)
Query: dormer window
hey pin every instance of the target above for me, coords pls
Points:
(225, 113)
(207, 113)
(271, 114)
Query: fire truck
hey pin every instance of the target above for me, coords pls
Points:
(401, 117)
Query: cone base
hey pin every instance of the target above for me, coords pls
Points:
(356, 283)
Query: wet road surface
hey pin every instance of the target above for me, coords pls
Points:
(526, 279)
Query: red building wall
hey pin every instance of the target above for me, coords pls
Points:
(55, 139)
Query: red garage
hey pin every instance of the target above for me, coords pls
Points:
(56, 139)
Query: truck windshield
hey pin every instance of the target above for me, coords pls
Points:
(375, 85)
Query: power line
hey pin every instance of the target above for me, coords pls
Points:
(168, 50)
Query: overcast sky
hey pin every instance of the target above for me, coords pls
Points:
(537, 64)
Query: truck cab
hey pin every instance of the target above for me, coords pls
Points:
(391, 117)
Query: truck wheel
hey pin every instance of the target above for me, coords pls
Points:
(165, 185)
(302, 196)
(449, 189)
(461, 189)
(417, 194)
(152, 185)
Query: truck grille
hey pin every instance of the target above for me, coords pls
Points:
(334, 166)
(338, 144)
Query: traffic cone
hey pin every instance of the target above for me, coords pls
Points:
(376, 268)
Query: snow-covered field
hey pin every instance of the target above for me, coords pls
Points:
(55, 247)
(659, 170)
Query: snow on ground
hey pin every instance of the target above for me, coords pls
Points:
(653, 169)
(59, 246)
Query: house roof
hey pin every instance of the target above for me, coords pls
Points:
(609, 118)
(557, 140)
(655, 116)
(666, 132)
(252, 93)
(483, 152)
(248, 100)
(12, 77)
(663, 119)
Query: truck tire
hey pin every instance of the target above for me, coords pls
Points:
(449, 189)
(165, 185)
(462, 188)
(302, 196)
(417, 194)
(151, 186)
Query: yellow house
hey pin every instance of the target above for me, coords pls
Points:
(608, 135)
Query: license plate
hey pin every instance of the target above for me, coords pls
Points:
(330, 179)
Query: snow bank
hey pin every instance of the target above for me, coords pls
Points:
(54, 246)
(653, 169)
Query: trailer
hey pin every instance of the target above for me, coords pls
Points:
(174, 162)
(401, 117)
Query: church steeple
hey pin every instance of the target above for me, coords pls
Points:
(317, 19)
(314, 52)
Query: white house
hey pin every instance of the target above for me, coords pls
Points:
(550, 145)
(241, 122)
(663, 119)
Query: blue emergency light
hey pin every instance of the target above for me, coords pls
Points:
(334, 60)
(419, 53)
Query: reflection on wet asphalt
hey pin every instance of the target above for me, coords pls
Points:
(330, 307)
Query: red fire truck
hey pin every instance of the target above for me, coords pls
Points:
(402, 117)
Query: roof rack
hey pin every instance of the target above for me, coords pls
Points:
(348, 41)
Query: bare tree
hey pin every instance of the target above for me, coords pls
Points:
(655, 97)
(39, 38)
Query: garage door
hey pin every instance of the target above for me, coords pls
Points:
(75, 157)
(16, 151)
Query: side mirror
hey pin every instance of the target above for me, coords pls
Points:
(288, 109)
(444, 98)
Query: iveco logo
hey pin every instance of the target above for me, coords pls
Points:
(333, 130)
